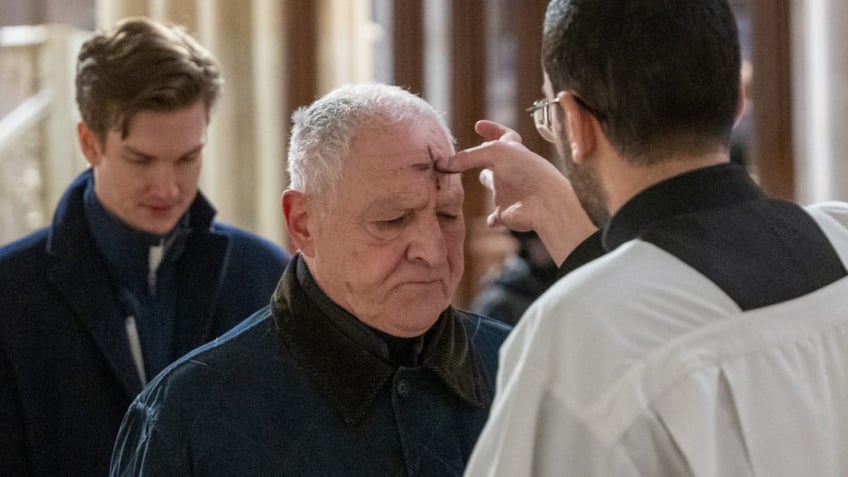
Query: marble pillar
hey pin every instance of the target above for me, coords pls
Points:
(820, 77)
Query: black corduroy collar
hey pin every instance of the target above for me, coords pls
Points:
(348, 363)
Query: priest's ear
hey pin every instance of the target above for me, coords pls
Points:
(580, 125)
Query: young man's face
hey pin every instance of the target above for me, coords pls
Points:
(390, 248)
(149, 178)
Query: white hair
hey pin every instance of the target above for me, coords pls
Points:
(322, 132)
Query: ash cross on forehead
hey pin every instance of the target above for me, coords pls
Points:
(433, 162)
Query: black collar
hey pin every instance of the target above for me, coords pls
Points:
(125, 247)
(348, 362)
(701, 189)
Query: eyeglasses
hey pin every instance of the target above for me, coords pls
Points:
(541, 114)
(542, 117)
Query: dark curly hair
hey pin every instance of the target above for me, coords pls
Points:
(662, 76)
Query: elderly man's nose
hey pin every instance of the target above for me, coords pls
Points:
(427, 242)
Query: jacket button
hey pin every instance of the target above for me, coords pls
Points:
(402, 388)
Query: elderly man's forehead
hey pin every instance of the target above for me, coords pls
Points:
(381, 147)
(381, 125)
(422, 158)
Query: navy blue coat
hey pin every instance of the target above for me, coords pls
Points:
(303, 388)
(66, 371)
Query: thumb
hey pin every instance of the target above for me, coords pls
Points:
(492, 131)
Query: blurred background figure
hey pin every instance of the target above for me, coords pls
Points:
(524, 275)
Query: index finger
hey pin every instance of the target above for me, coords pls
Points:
(474, 157)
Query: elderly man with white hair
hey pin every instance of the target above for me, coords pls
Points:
(360, 365)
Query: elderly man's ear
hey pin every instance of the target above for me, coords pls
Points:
(298, 221)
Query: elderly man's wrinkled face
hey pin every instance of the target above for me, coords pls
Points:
(389, 248)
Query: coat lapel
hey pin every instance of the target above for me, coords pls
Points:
(81, 275)
(85, 284)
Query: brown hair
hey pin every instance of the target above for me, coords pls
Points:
(142, 65)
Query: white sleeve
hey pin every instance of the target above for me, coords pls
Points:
(531, 428)
(570, 398)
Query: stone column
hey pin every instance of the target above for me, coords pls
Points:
(820, 69)
(110, 11)
(225, 27)
(346, 49)
(183, 12)
(271, 122)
